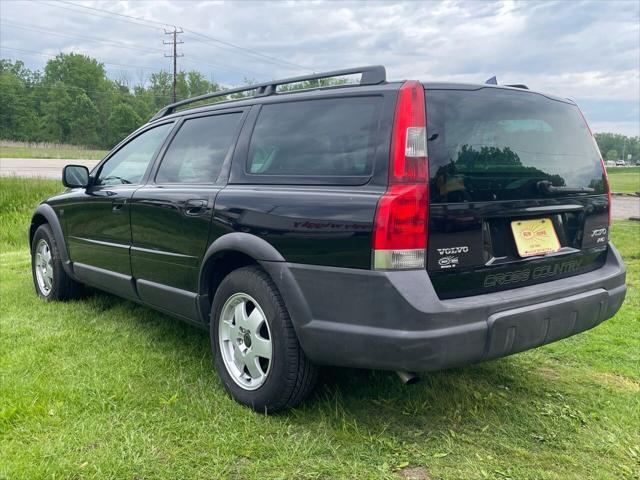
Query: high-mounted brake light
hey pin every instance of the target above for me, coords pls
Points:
(604, 168)
(400, 228)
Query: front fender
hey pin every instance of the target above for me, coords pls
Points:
(45, 210)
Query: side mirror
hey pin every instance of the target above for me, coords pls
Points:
(75, 176)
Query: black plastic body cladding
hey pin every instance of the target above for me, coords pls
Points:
(395, 320)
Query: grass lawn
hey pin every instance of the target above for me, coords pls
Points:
(104, 388)
(10, 149)
(624, 179)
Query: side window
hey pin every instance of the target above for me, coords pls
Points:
(334, 137)
(198, 149)
(129, 163)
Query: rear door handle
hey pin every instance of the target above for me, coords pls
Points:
(195, 207)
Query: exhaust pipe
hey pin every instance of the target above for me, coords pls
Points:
(408, 378)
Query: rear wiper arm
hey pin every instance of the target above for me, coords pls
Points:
(546, 187)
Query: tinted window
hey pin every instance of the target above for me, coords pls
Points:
(129, 164)
(495, 144)
(198, 150)
(318, 137)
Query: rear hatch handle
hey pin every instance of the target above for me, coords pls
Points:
(546, 187)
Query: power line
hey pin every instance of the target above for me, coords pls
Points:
(174, 55)
(152, 27)
(98, 15)
(162, 24)
(193, 60)
(127, 19)
(251, 52)
(42, 54)
(199, 61)
(34, 28)
(227, 49)
(245, 51)
(41, 86)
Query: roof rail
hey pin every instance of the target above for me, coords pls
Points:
(371, 75)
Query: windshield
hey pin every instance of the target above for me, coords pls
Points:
(499, 144)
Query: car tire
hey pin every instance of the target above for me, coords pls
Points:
(247, 315)
(50, 279)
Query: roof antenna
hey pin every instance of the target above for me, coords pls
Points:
(492, 81)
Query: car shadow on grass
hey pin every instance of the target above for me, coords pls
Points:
(474, 395)
(379, 400)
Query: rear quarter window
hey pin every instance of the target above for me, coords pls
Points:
(315, 138)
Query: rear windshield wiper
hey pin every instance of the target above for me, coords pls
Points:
(546, 187)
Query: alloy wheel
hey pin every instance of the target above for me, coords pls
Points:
(44, 267)
(245, 341)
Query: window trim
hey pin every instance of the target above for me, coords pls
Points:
(224, 168)
(240, 174)
(95, 172)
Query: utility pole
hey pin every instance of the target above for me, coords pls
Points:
(175, 55)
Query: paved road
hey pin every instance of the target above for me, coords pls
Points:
(623, 207)
(38, 167)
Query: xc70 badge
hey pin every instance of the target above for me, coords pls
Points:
(599, 234)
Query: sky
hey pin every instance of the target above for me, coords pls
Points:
(587, 51)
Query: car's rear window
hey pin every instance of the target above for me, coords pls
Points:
(324, 137)
(498, 144)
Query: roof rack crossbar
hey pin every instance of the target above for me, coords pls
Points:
(371, 75)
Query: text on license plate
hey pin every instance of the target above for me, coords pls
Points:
(535, 237)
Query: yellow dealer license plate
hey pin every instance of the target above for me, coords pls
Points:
(535, 237)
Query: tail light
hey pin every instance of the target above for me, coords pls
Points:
(607, 186)
(604, 168)
(400, 227)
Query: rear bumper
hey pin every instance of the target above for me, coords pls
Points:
(395, 320)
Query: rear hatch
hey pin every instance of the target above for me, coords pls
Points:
(518, 193)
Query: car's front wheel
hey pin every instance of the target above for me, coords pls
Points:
(256, 351)
(49, 277)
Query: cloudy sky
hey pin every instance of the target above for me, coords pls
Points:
(587, 51)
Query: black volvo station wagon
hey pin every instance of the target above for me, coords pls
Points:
(407, 226)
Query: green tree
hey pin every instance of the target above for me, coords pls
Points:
(621, 143)
(83, 122)
(198, 85)
(612, 154)
(77, 72)
(18, 69)
(122, 121)
(159, 92)
(18, 118)
(56, 111)
(18, 115)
